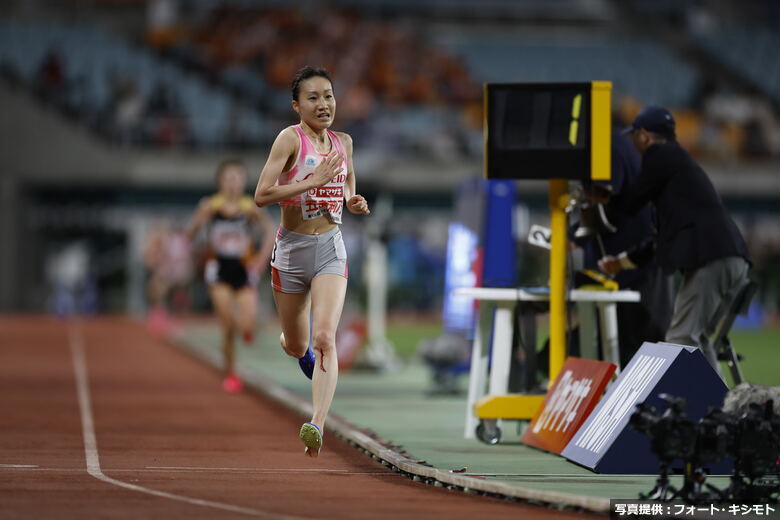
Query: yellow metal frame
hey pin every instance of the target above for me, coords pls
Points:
(601, 130)
(515, 406)
(600, 282)
(559, 199)
(525, 406)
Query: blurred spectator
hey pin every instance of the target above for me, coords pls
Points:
(167, 256)
(71, 282)
(381, 66)
(738, 125)
(700, 18)
(126, 109)
(721, 124)
(398, 89)
(50, 80)
(167, 122)
(162, 22)
(161, 102)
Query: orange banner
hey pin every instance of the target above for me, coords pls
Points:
(577, 390)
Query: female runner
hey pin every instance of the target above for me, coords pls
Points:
(309, 173)
(234, 267)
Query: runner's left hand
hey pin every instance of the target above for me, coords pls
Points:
(357, 204)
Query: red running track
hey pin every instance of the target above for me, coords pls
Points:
(100, 420)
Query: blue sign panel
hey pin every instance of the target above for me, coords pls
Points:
(499, 246)
(458, 311)
(607, 444)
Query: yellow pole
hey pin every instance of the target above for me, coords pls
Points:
(601, 131)
(559, 198)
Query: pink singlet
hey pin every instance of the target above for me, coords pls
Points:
(325, 200)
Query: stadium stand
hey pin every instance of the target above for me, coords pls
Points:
(407, 74)
(639, 69)
(398, 82)
(750, 53)
(124, 92)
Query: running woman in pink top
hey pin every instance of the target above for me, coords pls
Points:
(309, 173)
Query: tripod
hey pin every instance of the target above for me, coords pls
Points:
(663, 491)
(696, 490)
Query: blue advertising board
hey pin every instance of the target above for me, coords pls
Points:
(607, 444)
(481, 249)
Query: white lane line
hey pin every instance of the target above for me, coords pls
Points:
(283, 470)
(18, 466)
(151, 470)
(304, 471)
(90, 441)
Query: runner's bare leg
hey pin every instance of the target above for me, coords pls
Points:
(293, 309)
(327, 293)
(222, 300)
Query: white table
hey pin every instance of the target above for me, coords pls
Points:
(505, 301)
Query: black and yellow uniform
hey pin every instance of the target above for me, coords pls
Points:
(230, 243)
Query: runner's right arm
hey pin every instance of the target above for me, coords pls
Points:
(268, 192)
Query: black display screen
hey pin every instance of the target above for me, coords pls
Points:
(533, 119)
(538, 131)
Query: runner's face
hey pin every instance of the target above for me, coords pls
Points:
(233, 180)
(316, 104)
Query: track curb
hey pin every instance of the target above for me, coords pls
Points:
(383, 451)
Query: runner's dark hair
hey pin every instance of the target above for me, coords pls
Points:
(228, 163)
(304, 74)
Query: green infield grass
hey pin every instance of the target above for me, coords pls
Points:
(760, 348)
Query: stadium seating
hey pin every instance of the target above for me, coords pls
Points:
(92, 58)
(639, 69)
(234, 103)
(750, 53)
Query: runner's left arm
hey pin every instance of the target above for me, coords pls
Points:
(355, 203)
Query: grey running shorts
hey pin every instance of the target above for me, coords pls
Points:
(297, 259)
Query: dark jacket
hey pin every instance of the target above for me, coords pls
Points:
(632, 228)
(694, 227)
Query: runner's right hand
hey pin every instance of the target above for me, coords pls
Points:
(327, 169)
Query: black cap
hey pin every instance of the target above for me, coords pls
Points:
(654, 119)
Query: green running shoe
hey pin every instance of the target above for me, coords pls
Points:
(312, 438)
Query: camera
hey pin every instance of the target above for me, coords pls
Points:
(756, 441)
(672, 433)
(714, 436)
(752, 438)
